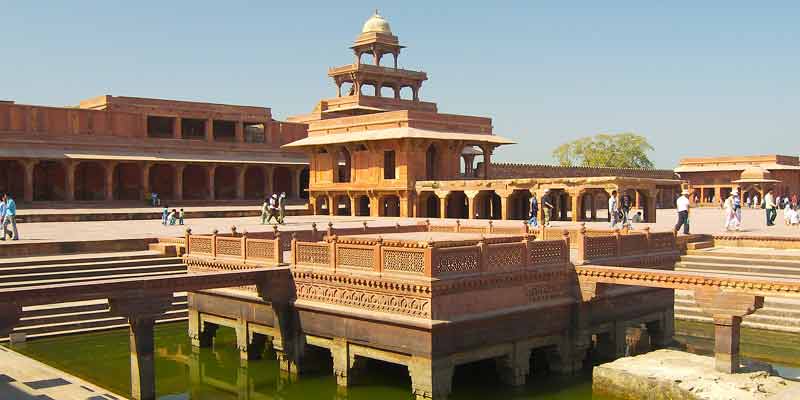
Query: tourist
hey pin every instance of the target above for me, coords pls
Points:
(2, 213)
(682, 204)
(154, 199)
(173, 216)
(794, 217)
(10, 217)
(282, 208)
(613, 216)
(273, 208)
(547, 208)
(733, 211)
(181, 216)
(164, 215)
(638, 218)
(787, 214)
(625, 208)
(769, 206)
(793, 201)
(756, 203)
(264, 210)
(533, 221)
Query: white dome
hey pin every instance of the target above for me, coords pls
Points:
(376, 23)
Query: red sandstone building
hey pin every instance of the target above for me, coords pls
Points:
(711, 179)
(124, 148)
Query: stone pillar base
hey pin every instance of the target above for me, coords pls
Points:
(430, 380)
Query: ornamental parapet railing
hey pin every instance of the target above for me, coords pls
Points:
(635, 248)
(227, 249)
(443, 259)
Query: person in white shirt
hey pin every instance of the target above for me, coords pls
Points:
(682, 204)
(769, 207)
(613, 213)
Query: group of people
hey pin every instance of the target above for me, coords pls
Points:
(171, 217)
(619, 210)
(274, 207)
(8, 216)
(547, 208)
(732, 209)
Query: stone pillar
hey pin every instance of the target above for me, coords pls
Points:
(487, 161)
(69, 185)
(346, 366)
(442, 203)
(295, 183)
(577, 210)
(514, 367)
(145, 180)
(177, 181)
(430, 380)
(594, 207)
(471, 194)
(109, 178)
(727, 329)
(504, 204)
(404, 205)
(250, 344)
(143, 374)
(29, 166)
(177, 128)
(239, 132)
(200, 334)
(209, 130)
(211, 170)
(267, 181)
(240, 182)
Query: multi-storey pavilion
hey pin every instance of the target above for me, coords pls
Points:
(711, 179)
(123, 148)
(375, 152)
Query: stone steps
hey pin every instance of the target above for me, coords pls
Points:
(762, 254)
(770, 271)
(728, 260)
(82, 316)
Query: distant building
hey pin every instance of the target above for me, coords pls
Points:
(711, 179)
(376, 149)
(123, 148)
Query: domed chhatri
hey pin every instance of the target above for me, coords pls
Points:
(376, 23)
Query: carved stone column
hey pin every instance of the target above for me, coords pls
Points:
(577, 210)
(504, 204)
(346, 366)
(296, 183)
(442, 195)
(211, 170)
(430, 380)
(145, 180)
(268, 181)
(69, 184)
(209, 130)
(240, 182)
(471, 195)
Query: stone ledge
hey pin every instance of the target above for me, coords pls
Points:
(676, 375)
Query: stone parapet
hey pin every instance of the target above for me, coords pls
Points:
(510, 170)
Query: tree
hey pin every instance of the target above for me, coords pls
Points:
(621, 150)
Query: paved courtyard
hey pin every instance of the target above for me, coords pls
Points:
(703, 220)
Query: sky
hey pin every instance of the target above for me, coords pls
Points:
(697, 78)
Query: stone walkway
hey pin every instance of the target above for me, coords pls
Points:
(22, 378)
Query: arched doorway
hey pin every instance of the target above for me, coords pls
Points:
(162, 178)
(225, 178)
(343, 207)
(254, 183)
(12, 178)
(431, 163)
(282, 181)
(127, 183)
(90, 181)
(49, 181)
(195, 182)
(363, 209)
(430, 204)
(457, 205)
(390, 206)
(304, 181)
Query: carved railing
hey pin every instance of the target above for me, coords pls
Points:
(444, 259)
(458, 227)
(631, 249)
(240, 248)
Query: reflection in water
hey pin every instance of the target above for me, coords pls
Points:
(217, 373)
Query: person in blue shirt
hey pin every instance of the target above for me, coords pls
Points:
(533, 221)
(164, 215)
(2, 213)
(10, 217)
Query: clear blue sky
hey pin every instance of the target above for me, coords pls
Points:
(695, 77)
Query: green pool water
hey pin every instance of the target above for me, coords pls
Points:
(215, 373)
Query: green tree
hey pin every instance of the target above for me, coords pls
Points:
(621, 150)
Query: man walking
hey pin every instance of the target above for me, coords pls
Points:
(625, 207)
(547, 208)
(533, 221)
(769, 206)
(273, 208)
(264, 210)
(613, 215)
(282, 208)
(10, 217)
(682, 204)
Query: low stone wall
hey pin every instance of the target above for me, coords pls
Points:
(13, 249)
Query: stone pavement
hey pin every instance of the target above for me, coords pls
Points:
(703, 220)
(22, 378)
